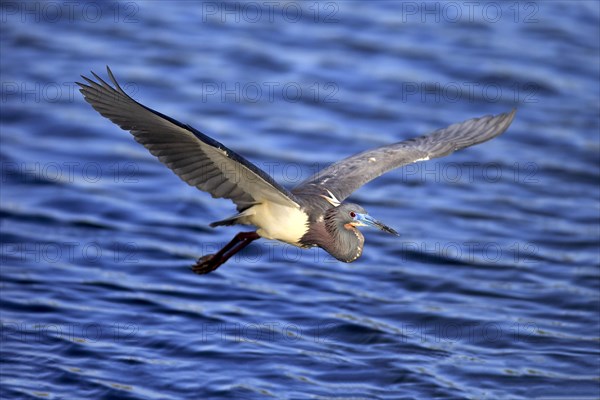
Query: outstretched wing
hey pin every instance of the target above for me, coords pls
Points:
(197, 159)
(349, 174)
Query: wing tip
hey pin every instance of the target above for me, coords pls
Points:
(506, 120)
(510, 116)
(113, 79)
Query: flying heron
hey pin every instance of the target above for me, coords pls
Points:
(311, 214)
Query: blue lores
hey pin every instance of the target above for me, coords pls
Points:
(311, 214)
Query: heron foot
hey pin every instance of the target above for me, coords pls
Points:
(207, 264)
(210, 262)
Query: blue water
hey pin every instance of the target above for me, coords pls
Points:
(492, 290)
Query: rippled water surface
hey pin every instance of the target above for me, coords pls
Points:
(491, 291)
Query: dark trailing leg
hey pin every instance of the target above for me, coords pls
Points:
(210, 262)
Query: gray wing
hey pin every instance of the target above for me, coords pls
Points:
(349, 174)
(196, 158)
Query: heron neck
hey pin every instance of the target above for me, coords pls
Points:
(344, 244)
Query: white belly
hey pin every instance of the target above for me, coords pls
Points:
(279, 222)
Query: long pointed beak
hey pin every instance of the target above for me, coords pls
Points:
(366, 220)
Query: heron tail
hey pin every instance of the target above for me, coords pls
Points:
(234, 219)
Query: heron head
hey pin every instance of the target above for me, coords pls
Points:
(341, 237)
(352, 215)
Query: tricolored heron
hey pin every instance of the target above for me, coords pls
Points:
(311, 214)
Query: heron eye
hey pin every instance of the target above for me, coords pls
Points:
(352, 214)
